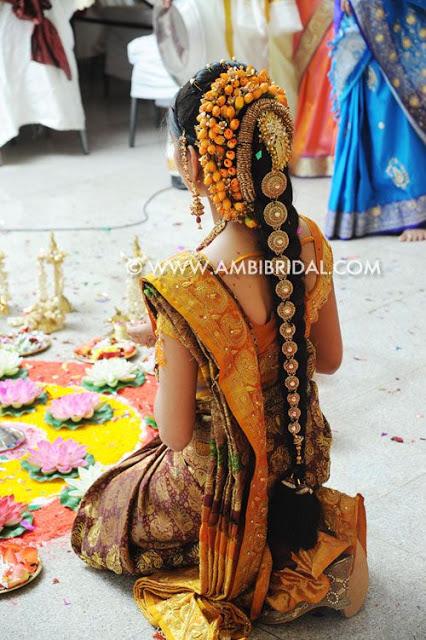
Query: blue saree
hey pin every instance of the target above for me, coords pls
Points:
(379, 82)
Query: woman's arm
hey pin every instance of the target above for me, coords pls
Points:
(141, 333)
(175, 400)
(327, 338)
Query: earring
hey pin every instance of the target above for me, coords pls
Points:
(197, 207)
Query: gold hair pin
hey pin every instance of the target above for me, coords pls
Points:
(193, 83)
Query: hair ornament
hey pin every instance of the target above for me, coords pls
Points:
(284, 289)
(193, 82)
(275, 128)
(240, 102)
(275, 214)
(278, 241)
(218, 139)
(273, 119)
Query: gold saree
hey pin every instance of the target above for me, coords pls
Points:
(194, 523)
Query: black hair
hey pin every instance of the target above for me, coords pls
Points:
(293, 519)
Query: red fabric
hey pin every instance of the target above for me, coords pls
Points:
(46, 45)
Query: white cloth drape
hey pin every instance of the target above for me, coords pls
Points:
(150, 78)
(34, 93)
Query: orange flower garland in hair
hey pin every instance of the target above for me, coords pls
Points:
(217, 135)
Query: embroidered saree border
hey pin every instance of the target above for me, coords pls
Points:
(217, 321)
(371, 17)
(305, 167)
(313, 35)
(387, 218)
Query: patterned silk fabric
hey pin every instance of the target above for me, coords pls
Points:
(197, 520)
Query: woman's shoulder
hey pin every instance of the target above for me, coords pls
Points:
(309, 228)
(311, 234)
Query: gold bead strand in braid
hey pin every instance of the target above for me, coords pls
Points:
(276, 130)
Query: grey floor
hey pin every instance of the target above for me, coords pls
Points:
(378, 393)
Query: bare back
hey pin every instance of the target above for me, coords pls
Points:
(253, 291)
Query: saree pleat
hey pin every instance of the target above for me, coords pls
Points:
(116, 523)
(233, 525)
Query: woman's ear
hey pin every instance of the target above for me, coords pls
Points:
(195, 169)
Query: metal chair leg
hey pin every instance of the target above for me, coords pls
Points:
(84, 141)
(107, 85)
(159, 116)
(134, 108)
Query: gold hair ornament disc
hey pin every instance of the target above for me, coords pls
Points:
(280, 266)
(274, 184)
(275, 214)
(278, 241)
(284, 289)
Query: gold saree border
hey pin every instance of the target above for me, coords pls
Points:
(319, 167)
(313, 35)
(214, 316)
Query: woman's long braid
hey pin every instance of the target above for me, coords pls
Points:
(294, 519)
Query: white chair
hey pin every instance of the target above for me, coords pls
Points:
(150, 79)
(35, 93)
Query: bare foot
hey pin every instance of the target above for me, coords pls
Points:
(358, 583)
(413, 235)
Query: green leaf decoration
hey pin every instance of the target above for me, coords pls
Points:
(38, 476)
(90, 459)
(149, 291)
(11, 411)
(150, 422)
(137, 382)
(34, 507)
(68, 500)
(259, 154)
(103, 414)
(21, 373)
(17, 529)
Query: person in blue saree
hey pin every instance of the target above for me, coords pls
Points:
(379, 82)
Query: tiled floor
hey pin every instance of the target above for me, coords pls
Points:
(379, 391)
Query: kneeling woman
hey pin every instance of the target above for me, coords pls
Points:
(225, 515)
